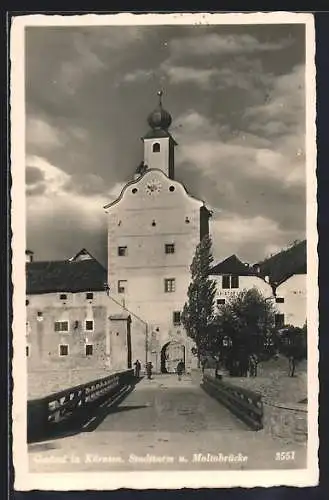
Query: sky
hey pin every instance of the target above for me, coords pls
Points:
(237, 98)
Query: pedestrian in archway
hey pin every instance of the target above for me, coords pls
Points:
(180, 369)
(137, 366)
(292, 365)
(149, 367)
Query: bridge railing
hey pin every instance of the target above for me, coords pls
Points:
(44, 412)
(245, 404)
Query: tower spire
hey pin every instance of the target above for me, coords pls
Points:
(160, 94)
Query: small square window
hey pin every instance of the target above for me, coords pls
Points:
(122, 286)
(169, 248)
(169, 285)
(177, 317)
(63, 350)
(279, 300)
(122, 251)
(89, 349)
(40, 314)
(63, 296)
(89, 325)
(220, 302)
(89, 295)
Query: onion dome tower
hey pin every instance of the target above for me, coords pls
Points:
(159, 144)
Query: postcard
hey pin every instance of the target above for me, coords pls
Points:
(165, 297)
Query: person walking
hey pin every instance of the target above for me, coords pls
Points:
(137, 366)
(180, 369)
(149, 367)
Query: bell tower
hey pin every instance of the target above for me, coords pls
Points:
(159, 145)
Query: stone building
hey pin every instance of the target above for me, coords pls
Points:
(72, 321)
(154, 227)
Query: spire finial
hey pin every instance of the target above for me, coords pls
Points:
(160, 94)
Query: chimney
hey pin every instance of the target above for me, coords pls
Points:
(29, 255)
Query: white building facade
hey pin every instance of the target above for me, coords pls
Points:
(153, 229)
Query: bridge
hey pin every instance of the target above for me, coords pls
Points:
(157, 424)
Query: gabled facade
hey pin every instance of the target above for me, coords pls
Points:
(233, 276)
(153, 229)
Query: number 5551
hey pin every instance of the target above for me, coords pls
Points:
(285, 455)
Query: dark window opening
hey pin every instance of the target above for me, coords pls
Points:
(225, 282)
(63, 296)
(89, 325)
(187, 220)
(169, 248)
(279, 320)
(122, 285)
(177, 317)
(170, 285)
(27, 351)
(156, 147)
(234, 281)
(153, 223)
(61, 326)
(89, 349)
(89, 295)
(134, 190)
(220, 302)
(63, 350)
(279, 300)
(122, 251)
(172, 188)
(39, 314)
(27, 302)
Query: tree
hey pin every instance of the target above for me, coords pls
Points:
(248, 321)
(293, 345)
(198, 311)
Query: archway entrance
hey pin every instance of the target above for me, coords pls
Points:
(171, 353)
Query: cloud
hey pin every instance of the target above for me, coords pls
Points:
(220, 45)
(249, 237)
(33, 175)
(138, 76)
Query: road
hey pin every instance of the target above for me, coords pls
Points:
(161, 424)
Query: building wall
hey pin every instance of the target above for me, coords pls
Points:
(146, 265)
(109, 336)
(293, 291)
(245, 283)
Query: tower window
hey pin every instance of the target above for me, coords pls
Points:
(169, 248)
(89, 295)
(122, 286)
(63, 349)
(169, 285)
(122, 251)
(89, 349)
(89, 325)
(61, 326)
(63, 296)
(156, 147)
(27, 351)
(134, 190)
(279, 300)
(176, 317)
(172, 188)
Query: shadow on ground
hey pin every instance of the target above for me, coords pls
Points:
(85, 419)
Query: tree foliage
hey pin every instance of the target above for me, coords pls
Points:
(198, 311)
(293, 342)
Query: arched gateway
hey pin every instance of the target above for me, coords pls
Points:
(171, 353)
